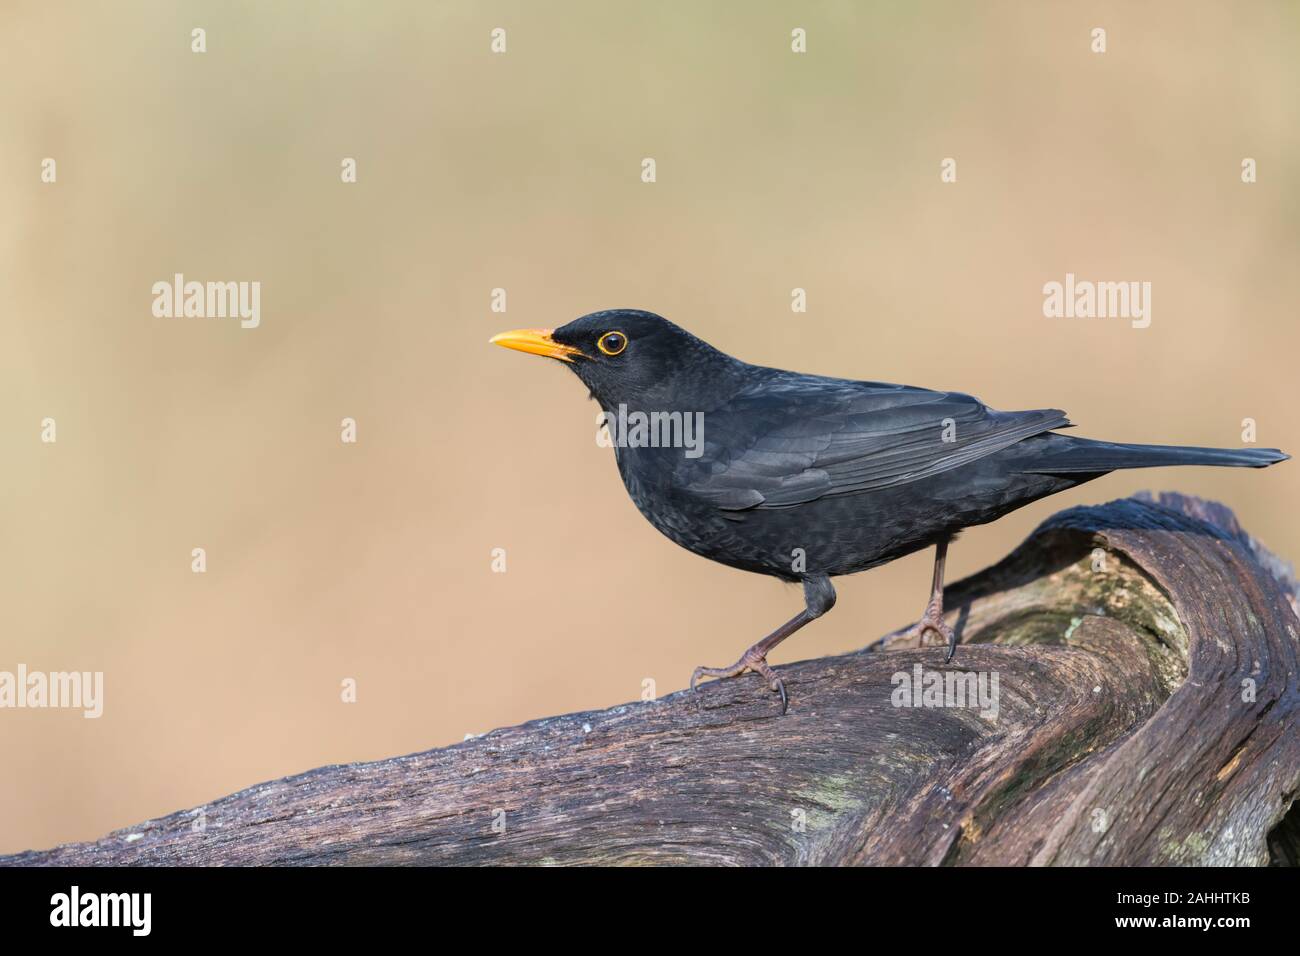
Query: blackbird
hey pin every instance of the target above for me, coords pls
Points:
(805, 477)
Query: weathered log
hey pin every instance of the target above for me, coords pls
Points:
(1145, 655)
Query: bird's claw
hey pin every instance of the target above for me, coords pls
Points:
(749, 661)
(932, 620)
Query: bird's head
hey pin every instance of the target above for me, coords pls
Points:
(631, 357)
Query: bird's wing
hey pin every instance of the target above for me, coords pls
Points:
(795, 440)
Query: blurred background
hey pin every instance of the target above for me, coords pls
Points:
(775, 170)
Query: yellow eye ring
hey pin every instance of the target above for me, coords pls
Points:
(612, 343)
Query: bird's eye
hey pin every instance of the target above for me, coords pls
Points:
(611, 343)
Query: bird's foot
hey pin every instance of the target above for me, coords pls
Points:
(932, 620)
(752, 660)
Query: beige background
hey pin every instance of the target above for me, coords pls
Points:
(775, 170)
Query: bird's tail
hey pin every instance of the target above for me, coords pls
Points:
(1074, 455)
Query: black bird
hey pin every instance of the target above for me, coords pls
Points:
(805, 477)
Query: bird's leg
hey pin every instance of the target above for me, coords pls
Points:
(819, 597)
(932, 619)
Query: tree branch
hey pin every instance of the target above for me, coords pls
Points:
(1146, 713)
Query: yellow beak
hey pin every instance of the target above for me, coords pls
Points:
(535, 342)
